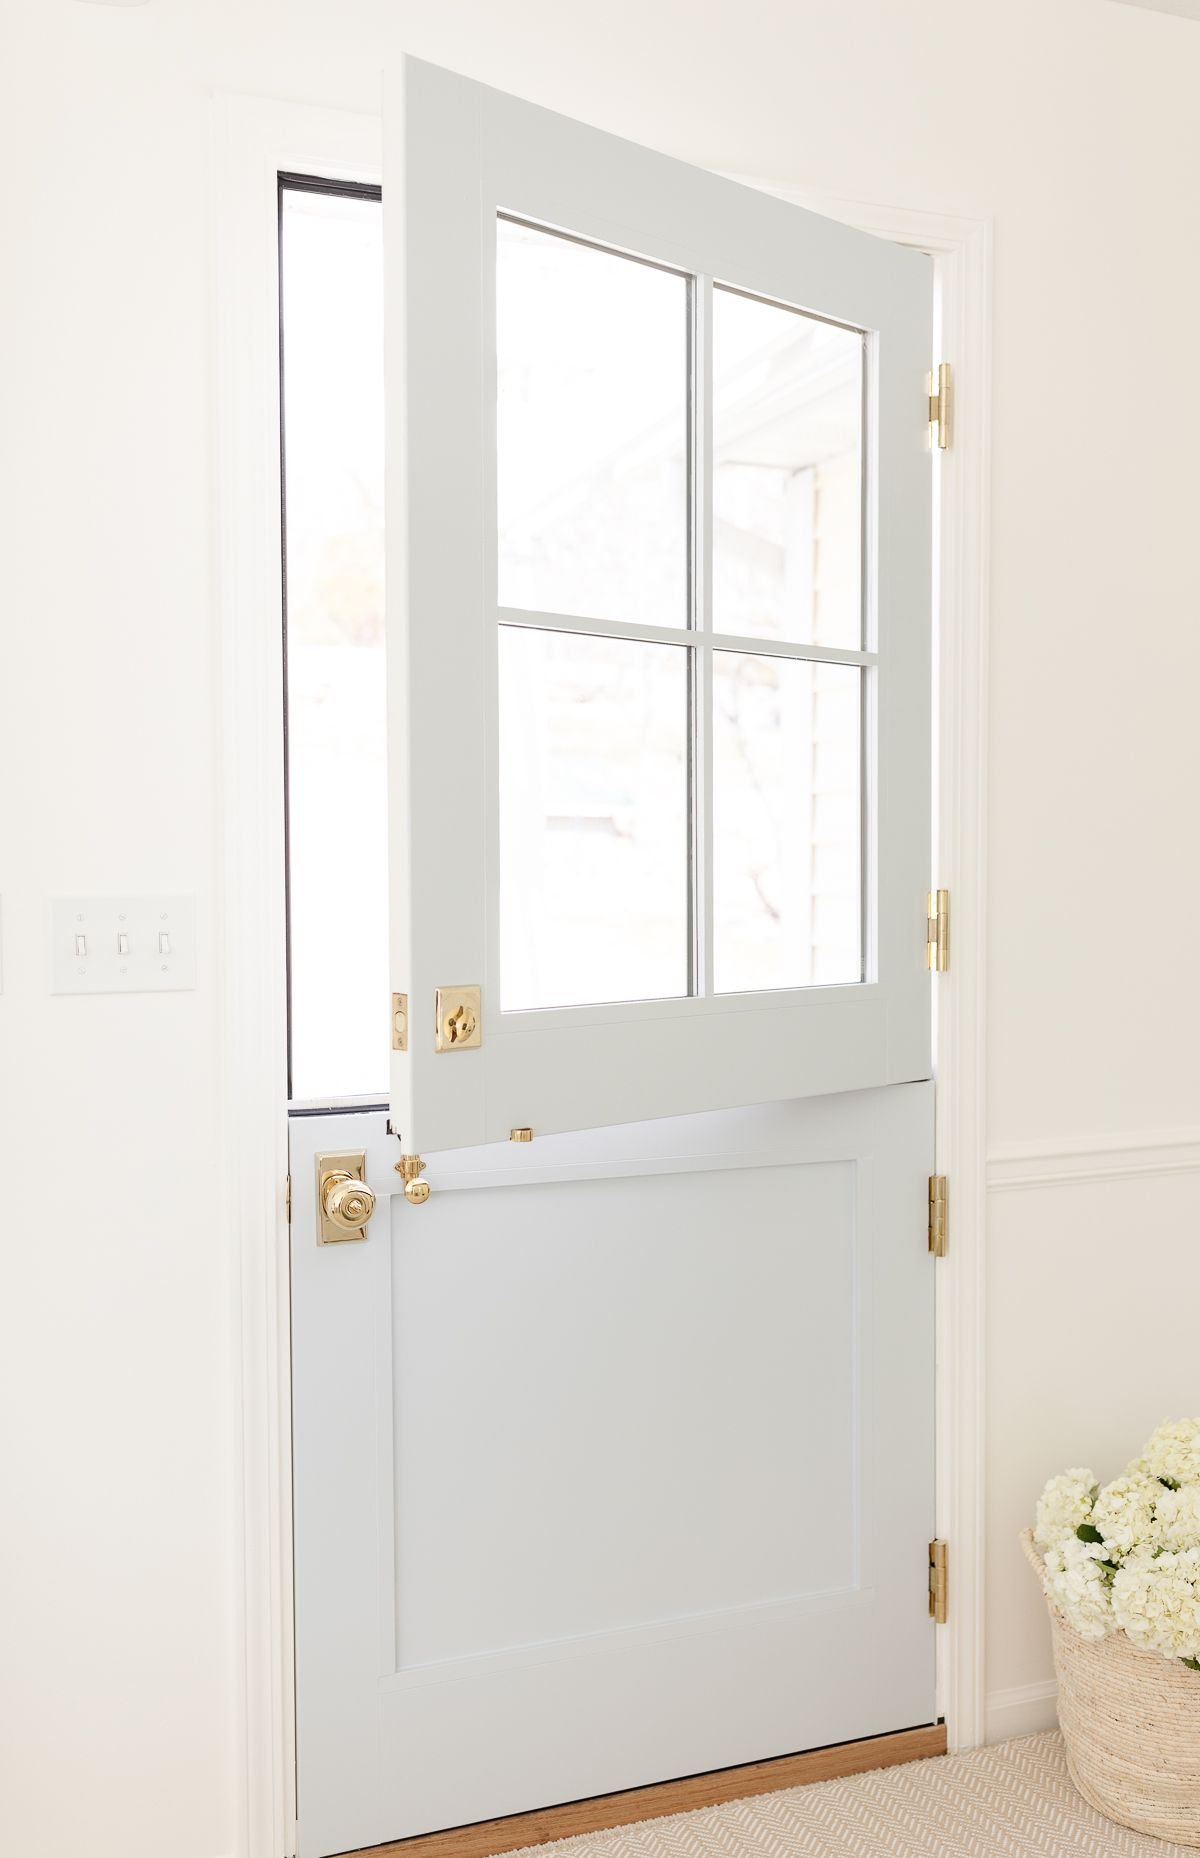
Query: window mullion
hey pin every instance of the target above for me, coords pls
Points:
(538, 621)
(785, 648)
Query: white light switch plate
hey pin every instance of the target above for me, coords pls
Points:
(118, 945)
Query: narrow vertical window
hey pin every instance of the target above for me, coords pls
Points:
(788, 531)
(592, 441)
(331, 385)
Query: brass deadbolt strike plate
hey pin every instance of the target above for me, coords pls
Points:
(457, 1016)
(344, 1201)
(410, 1168)
(399, 1022)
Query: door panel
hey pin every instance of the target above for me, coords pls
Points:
(538, 790)
(613, 1461)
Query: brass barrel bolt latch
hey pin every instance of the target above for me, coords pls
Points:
(410, 1168)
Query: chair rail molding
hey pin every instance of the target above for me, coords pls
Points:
(1131, 1154)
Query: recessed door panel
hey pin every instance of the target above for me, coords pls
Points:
(635, 1345)
(613, 1460)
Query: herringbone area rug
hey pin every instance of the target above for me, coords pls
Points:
(1011, 1801)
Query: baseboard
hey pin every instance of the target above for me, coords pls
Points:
(1022, 1711)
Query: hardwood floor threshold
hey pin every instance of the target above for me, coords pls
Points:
(488, 1837)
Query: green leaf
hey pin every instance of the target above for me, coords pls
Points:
(1169, 1483)
(1193, 1664)
(1088, 1532)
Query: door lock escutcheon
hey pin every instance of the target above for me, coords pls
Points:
(344, 1201)
(457, 1013)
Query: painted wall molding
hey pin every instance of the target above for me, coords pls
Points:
(1022, 1711)
(1123, 1155)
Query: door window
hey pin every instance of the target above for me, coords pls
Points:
(617, 744)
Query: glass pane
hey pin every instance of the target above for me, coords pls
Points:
(592, 431)
(593, 819)
(787, 474)
(332, 308)
(787, 822)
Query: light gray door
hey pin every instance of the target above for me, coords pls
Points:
(614, 1447)
(613, 1461)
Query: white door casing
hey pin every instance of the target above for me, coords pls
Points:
(456, 155)
(612, 1462)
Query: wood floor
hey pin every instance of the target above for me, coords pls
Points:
(490, 1836)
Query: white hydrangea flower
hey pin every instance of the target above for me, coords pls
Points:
(1173, 1451)
(1179, 1517)
(1156, 1602)
(1125, 1513)
(1064, 1504)
(1079, 1586)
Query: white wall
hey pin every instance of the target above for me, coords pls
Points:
(1073, 123)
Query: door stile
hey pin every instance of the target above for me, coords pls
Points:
(438, 697)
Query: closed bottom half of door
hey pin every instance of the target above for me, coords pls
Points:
(613, 1459)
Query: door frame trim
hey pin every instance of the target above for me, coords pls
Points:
(961, 247)
(255, 138)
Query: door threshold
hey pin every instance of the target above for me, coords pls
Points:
(488, 1837)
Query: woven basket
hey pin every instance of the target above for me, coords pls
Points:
(1131, 1724)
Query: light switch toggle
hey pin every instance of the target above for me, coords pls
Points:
(122, 944)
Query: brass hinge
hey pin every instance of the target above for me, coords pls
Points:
(937, 933)
(939, 1583)
(287, 1198)
(939, 406)
(938, 1232)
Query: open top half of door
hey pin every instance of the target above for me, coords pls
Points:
(659, 505)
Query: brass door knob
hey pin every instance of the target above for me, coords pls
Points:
(347, 1203)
